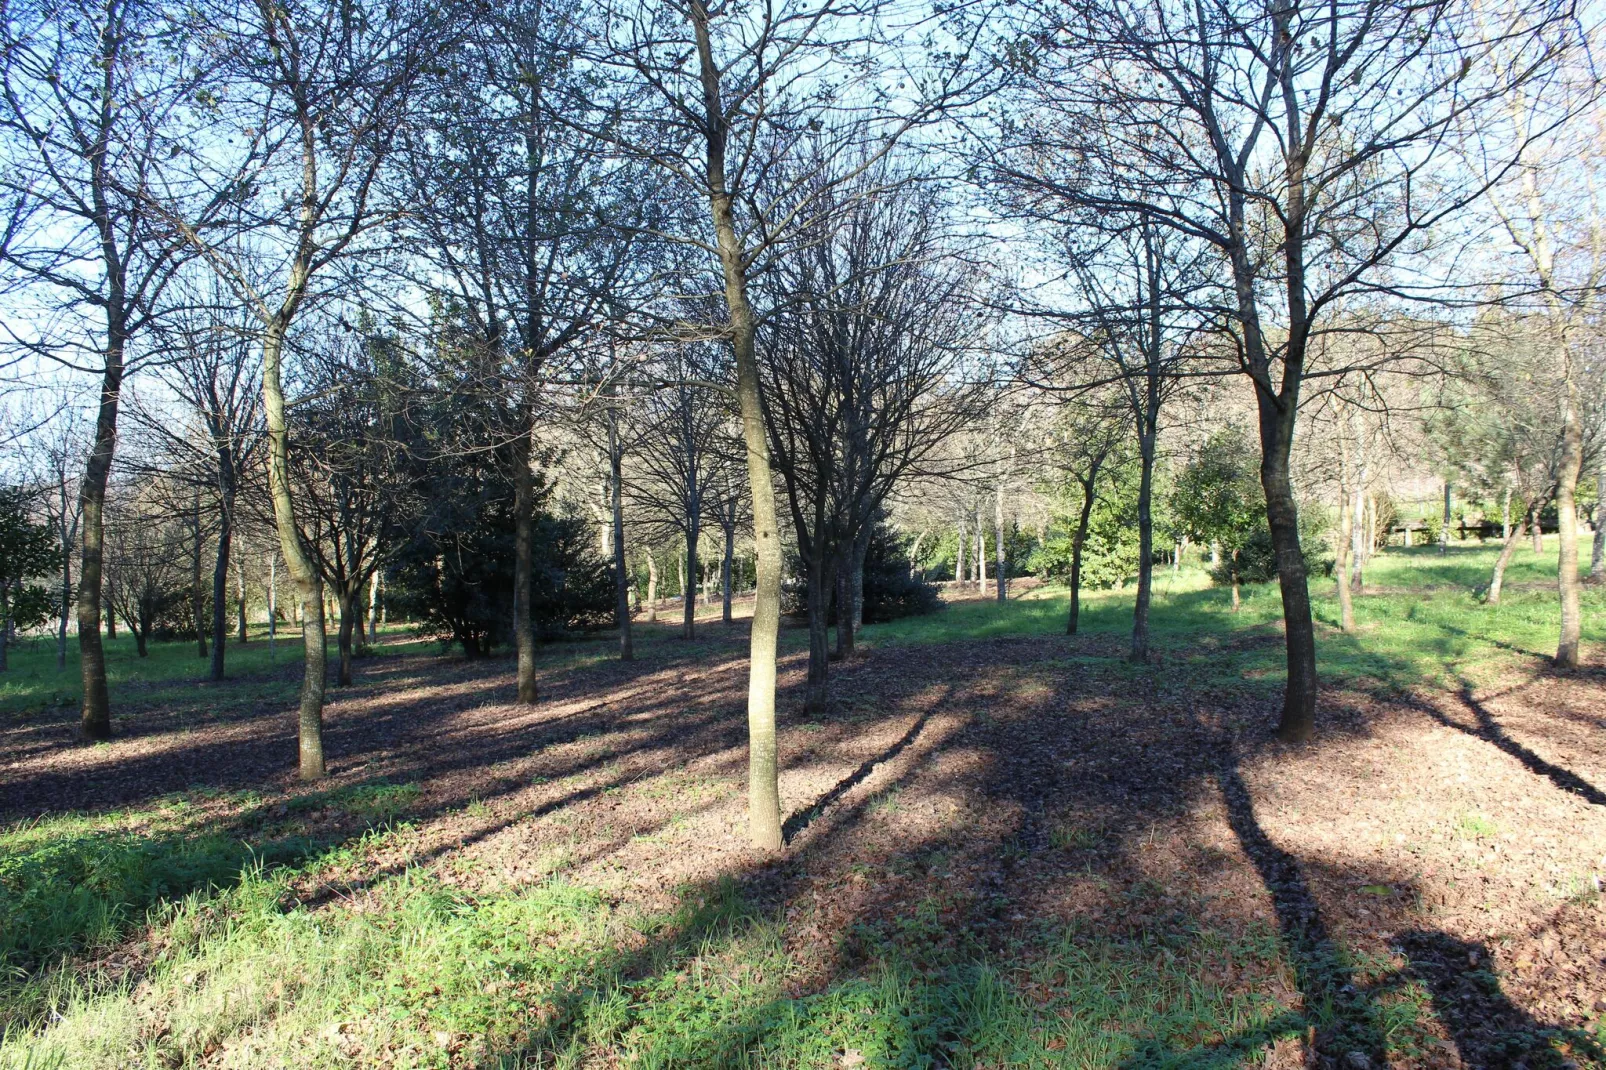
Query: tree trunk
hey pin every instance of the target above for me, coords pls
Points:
(1361, 542)
(764, 797)
(309, 586)
(688, 583)
(523, 565)
(861, 550)
(111, 627)
(373, 608)
(1000, 559)
(821, 584)
(1572, 459)
(1444, 531)
(1298, 721)
(66, 605)
(141, 641)
(621, 577)
(347, 600)
(1140, 606)
(652, 587)
(959, 557)
(1078, 541)
(197, 595)
(1597, 552)
(844, 610)
(1507, 548)
(5, 635)
(981, 555)
(1505, 515)
(239, 575)
(725, 574)
(95, 720)
(1346, 553)
(273, 604)
(1536, 530)
(220, 590)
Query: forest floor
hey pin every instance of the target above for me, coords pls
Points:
(1006, 847)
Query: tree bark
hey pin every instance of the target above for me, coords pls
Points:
(688, 585)
(373, 608)
(1078, 541)
(981, 555)
(821, 586)
(1597, 551)
(959, 557)
(66, 595)
(348, 625)
(845, 631)
(1536, 530)
(1444, 531)
(861, 550)
(1140, 605)
(764, 797)
(309, 585)
(1361, 542)
(1572, 459)
(239, 575)
(1507, 548)
(95, 713)
(523, 564)
(1346, 553)
(621, 577)
(220, 588)
(1000, 558)
(725, 574)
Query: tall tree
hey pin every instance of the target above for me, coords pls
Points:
(1308, 145)
(97, 95)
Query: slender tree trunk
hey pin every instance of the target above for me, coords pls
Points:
(1282, 515)
(111, 627)
(239, 576)
(66, 605)
(309, 586)
(821, 583)
(1346, 553)
(1236, 600)
(220, 589)
(621, 577)
(959, 557)
(1078, 541)
(1572, 459)
(142, 636)
(1505, 514)
(845, 630)
(652, 587)
(95, 720)
(197, 592)
(725, 574)
(523, 564)
(764, 797)
(1597, 552)
(1536, 530)
(1000, 558)
(861, 550)
(1507, 548)
(5, 635)
(347, 601)
(373, 608)
(1140, 606)
(1444, 531)
(688, 584)
(1361, 543)
(273, 604)
(981, 555)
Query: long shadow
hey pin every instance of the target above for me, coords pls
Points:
(1333, 1002)
(1488, 1029)
(1490, 731)
(800, 819)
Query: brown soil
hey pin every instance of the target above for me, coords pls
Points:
(1453, 844)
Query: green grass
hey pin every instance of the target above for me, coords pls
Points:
(1431, 626)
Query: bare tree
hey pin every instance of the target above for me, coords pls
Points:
(1309, 146)
(96, 97)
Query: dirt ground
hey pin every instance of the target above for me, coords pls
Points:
(1452, 843)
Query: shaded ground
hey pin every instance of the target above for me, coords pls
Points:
(1423, 881)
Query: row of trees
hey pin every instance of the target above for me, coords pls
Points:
(403, 258)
